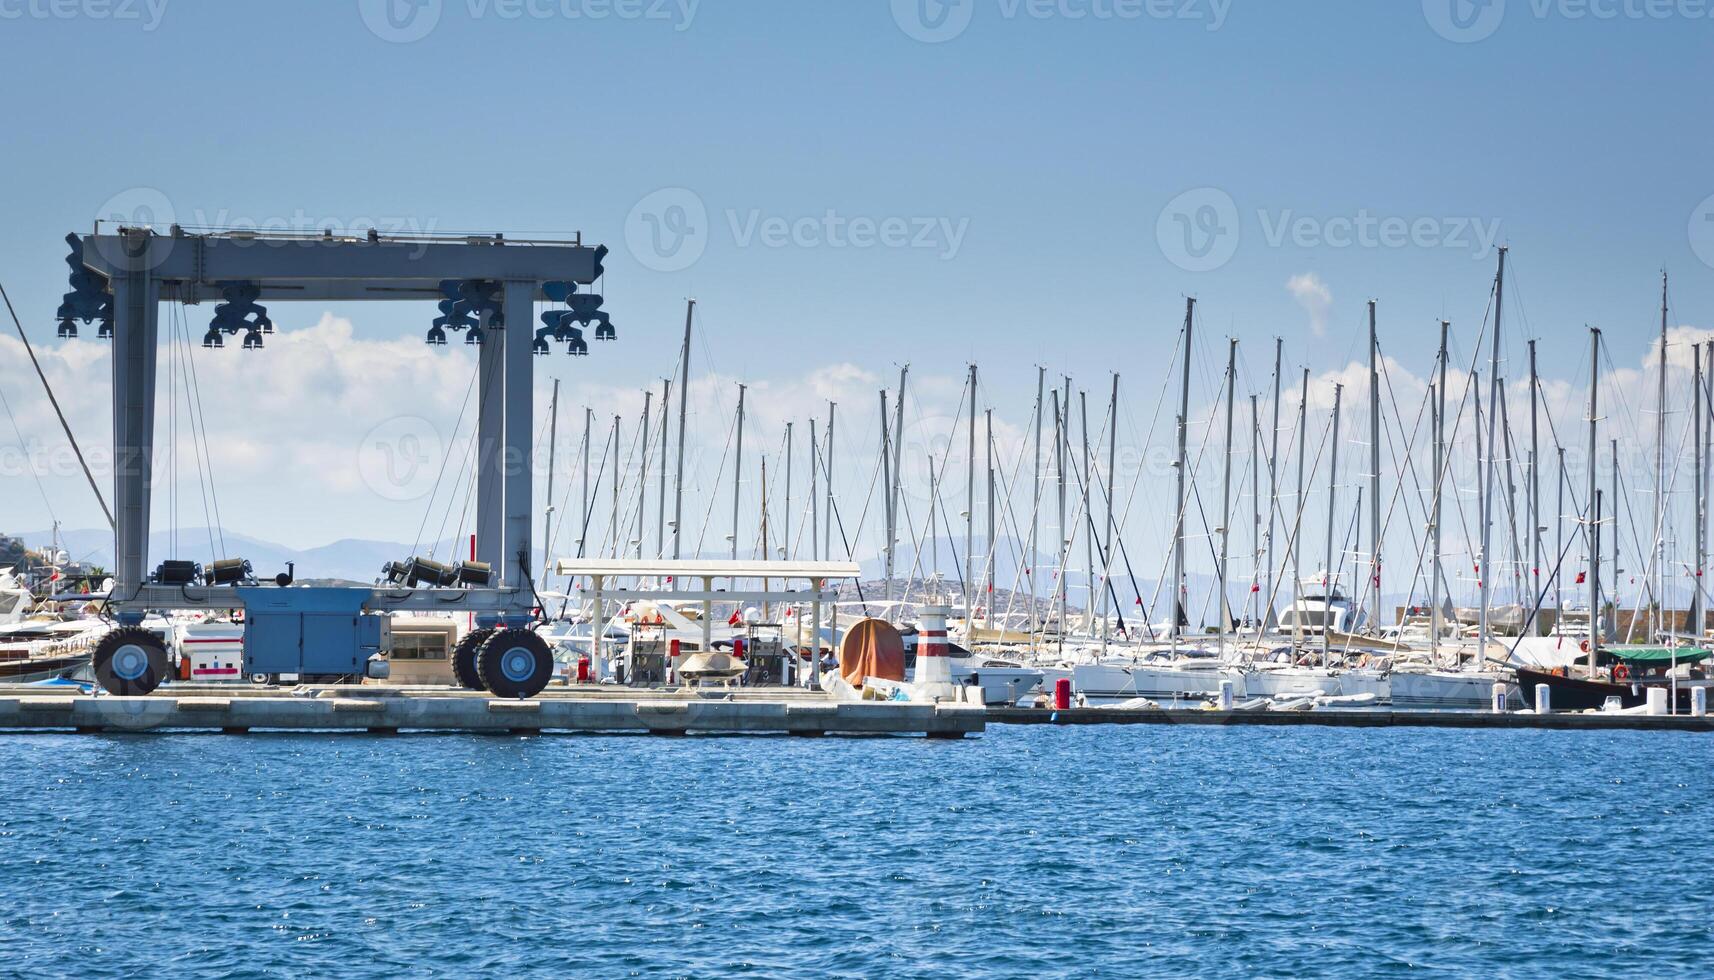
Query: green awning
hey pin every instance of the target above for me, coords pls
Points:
(1642, 656)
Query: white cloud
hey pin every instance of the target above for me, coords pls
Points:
(1316, 299)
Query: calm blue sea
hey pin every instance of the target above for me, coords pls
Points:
(1025, 852)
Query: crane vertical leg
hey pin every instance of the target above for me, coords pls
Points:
(490, 423)
(136, 305)
(519, 368)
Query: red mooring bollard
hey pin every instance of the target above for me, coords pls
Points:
(1062, 693)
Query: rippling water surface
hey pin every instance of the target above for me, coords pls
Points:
(1026, 852)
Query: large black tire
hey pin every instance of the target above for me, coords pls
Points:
(129, 660)
(515, 663)
(464, 670)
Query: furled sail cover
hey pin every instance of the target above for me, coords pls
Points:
(872, 648)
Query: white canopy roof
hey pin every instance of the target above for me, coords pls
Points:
(694, 568)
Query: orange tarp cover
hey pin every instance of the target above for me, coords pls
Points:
(872, 649)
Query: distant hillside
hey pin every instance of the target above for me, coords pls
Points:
(350, 559)
(358, 560)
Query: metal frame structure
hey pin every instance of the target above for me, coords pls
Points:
(143, 269)
(817, 573)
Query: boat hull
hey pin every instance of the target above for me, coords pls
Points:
(1293, 682)
(1451, 690)
(1105, 683)
(1582, 694)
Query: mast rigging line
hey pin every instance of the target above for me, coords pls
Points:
(87, 475)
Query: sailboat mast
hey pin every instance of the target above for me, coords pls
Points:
(547, 517)
(814, 495)
(1063, 549)
(987, 592)
(1482, 494)
(1035, 506)
(1485, 576)
(1593, 523)
(1068, 532)
(1297, 523)
(1180, 466)
(888, 514)
(1226, 493)
(1511, 484)
(1695, 611)
(583, 517)
(786, 513)
(738, 470)
(828, 461)
(970, 509)
(643, 472)
(1331, 582)
(1559, 543)
(1707, 455)
(1273, 480)
(661, 501)
(1112, 516)
(613, 520)
(1657, 551)
(1535, 524)
(1088, 522)
(1252, 608)
(1614, 497)
(683, 392)
(898, 469)
(1374, 464)
(1435, 615)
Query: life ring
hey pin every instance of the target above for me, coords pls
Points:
(1621, 672)
(1584, 646)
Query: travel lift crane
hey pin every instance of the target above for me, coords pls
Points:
(486, 287)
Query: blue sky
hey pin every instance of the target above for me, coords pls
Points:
(1048, 137)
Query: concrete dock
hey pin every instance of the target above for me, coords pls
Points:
(591, 708)
(1568, 721)
(389, 710)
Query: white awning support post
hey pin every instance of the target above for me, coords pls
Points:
(597, 626)
(814, 673)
